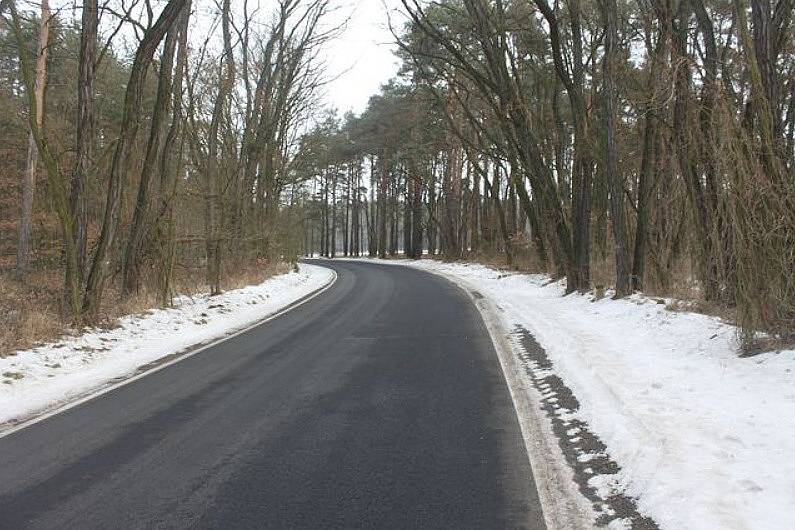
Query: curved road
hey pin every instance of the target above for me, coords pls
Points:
(379, 404)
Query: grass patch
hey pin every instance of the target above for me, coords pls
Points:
(31, 312)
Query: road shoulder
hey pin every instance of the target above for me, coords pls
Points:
(59, 376)
(564, 506)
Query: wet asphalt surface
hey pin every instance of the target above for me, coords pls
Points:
(379, 404)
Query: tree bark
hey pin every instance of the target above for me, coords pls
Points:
(122, 154)
(85, 134)
(55, 185)
(150, 169)
(212, 190)
(614, 180)
(32, 161)
(171, 163)
(651, 140)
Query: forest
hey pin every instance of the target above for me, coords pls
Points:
(644, 145)
(141, 161)
(627, 146)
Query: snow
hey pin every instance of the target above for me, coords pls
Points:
(42, 378)
(704, 439)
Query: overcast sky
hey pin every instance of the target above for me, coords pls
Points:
(360, 60)
(362, 56)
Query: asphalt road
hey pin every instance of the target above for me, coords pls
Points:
(379, 404)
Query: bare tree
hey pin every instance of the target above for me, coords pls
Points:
(32, 162)
(614, 180)
(121, 159)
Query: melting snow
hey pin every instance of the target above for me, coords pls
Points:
(703, 437)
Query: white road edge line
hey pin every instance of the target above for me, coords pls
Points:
(564, 507)
(101, 392)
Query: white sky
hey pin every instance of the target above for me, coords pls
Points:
(362, 56)
(359, 60)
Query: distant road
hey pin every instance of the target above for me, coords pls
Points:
(379, 404)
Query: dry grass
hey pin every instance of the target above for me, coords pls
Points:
(524, 258)
(255, 274)
(603, 273)
(31, 313)
(681, 286)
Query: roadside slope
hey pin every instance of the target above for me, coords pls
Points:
(44, 378)
(652, 404)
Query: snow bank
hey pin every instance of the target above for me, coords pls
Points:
(41, 378)
(704, 439)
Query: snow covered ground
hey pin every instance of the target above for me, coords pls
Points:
(704, 439)
(45, 377)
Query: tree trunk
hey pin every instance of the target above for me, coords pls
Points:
(122, 154)
(416, 216)
(212, 216)
(334, 213)
(651, 141)
(346, 216)
(32, 162)
(150, 169)
(171, 163)
(85, 135)
(55, 186)
(382, 206)
(614, 181)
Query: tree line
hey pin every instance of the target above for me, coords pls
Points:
(647, 144)
(653, 137)
(155, 134)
